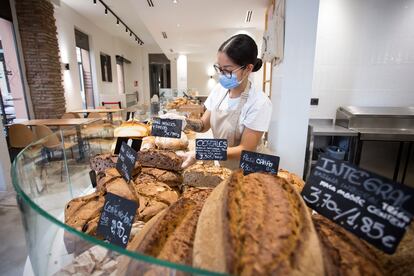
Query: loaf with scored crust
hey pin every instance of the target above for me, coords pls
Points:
(256, 225)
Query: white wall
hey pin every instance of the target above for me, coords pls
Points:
(182, 71)
(292, 85)
(99, 41)
(364, 55)
(198, 77)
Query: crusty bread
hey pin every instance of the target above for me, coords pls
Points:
(161, 159)
(256, 225)
(293, 179)
(172, 143)
(131, 129)
(168, 177)
(401, 263)
(343, 253)
(170, 234)
(204, 175)
(102, 162)
(148, 143)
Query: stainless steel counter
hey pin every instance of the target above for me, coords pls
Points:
(357, 111)
(326, 127)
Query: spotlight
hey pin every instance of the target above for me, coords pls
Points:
(126, 29)
(130, 34)
(94, 1)
(106, 11)
(117, 21)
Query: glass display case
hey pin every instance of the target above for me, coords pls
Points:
(48, 174)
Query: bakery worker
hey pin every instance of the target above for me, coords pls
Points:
(236, 111)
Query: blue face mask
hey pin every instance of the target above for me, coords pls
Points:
(229, 83)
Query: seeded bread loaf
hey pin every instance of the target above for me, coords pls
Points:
(102, 162)
(160, 159)
(204, 175)
(343, 253)
(256, 225)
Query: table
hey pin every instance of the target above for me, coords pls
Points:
(108, 112)
(66, 122)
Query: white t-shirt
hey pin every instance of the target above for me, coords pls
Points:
(255, 114)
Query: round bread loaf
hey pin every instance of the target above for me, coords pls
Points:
(293, 179)
(132, 129)
(256, 225)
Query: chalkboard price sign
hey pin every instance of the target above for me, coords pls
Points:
(92, 176)
(134, 143)
(169, 128)
(252, 162)
(116, 219)
(211, 149)
(126, 161)
(370, 206)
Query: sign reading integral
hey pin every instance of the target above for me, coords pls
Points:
(252, 162)
(370, 206)
(116, 219)
(169, 128)
(211, 149)
(126, 161)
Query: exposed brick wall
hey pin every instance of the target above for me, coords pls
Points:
(38, 32)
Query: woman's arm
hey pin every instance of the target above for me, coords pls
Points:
(249, 141)
(199, 125)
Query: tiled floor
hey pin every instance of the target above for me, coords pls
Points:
(13, 252)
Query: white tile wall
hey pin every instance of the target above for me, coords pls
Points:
(364, 54)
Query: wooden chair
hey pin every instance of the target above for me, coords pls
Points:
(20, 136)
(70, 131)
(71, 116)
(113, 105)
(51, 143)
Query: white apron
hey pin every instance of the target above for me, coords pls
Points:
(225, 125)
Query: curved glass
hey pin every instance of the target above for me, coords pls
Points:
(49, 173)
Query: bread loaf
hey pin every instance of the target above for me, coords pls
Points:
(169, 236)
(293, 179)
(131, 129)
(168, 177)
(148, 143)
(256, 225)
(343, 253)
(401, 263)
(102, 162)
(204, 175)
(166, 160)
(172, 143)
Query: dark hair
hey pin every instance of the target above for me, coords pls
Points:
(242, 50)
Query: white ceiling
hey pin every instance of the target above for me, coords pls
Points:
(194, 27)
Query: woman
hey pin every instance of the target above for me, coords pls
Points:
(236, 111)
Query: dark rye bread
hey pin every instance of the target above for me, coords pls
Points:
(343, 253)
(169, 235)
(256, 225)
(102, 162)
(160, 159)
(168, 177)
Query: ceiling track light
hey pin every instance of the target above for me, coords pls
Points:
(119, 20)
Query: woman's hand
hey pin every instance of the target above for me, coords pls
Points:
(188, 157)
